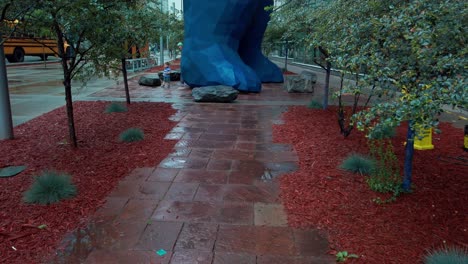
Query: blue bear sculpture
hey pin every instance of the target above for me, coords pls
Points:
(222, 44)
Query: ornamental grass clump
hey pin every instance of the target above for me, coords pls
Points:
(50, 187)
(357, 163)
(315, 105)
(131, 135)
(447, 255)
(116, 108)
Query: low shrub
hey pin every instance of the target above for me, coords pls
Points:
(50, 187)
(382, 132)
(315, 105)
(452, 255)
(358, 164)
(385, 177)
(131, 135)
(116, 108)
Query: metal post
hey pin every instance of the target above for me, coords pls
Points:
(6, 122)
(44, 57)
(161, 50)
(161, 42)
(409, 153)
(286, 58)
(167, 45)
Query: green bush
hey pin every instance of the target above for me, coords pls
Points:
(386, 175)
(50, 187)
(315, 105)
(115, 108)
(447, 256)
(358, 163)
(382, 132)
(131, 135)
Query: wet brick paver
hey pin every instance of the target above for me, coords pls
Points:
(214, 199)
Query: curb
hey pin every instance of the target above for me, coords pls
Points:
(24, 64)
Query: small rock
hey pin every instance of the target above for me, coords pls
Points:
(217, 94)
(309, 76)
(304, 83)
(150, 80)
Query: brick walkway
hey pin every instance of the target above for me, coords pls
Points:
(214, 199)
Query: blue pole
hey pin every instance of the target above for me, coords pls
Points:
(409, 151)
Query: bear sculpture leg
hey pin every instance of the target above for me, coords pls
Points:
(222, 44)
(250, 48)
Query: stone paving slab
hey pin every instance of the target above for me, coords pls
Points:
(214, 199)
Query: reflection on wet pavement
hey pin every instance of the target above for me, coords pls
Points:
(217, 190)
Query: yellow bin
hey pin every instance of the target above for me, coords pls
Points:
(424, 143)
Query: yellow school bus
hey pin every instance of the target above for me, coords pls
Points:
(22, 43)
(17, 47)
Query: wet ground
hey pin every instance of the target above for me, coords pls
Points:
(36, 89)
(214, 199)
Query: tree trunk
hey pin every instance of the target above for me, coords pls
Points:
(69, 101)
(326, 88)
(6, 122)
(124, 72)
(409, 151)
(67, 73)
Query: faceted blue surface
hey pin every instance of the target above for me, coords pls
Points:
(222, 44)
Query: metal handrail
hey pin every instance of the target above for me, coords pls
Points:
(134, 65)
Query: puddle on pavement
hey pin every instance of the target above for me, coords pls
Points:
(267, 176)
(274, 170)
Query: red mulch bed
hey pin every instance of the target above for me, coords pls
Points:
(339, 203)
(96, 165)
(289, 73)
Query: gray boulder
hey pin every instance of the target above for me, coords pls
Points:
(175, 75)
(302, 83)
(150, 80)
(216, 94)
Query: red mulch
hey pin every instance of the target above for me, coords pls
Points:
(96, 166)
(339, 203)
(289, 73)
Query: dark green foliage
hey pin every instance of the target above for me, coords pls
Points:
(382, 132)
(385, 177)
(115, 108)
(315, 105)
(50, 187)
(358, 163)
(131, 135)
(447, 256)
